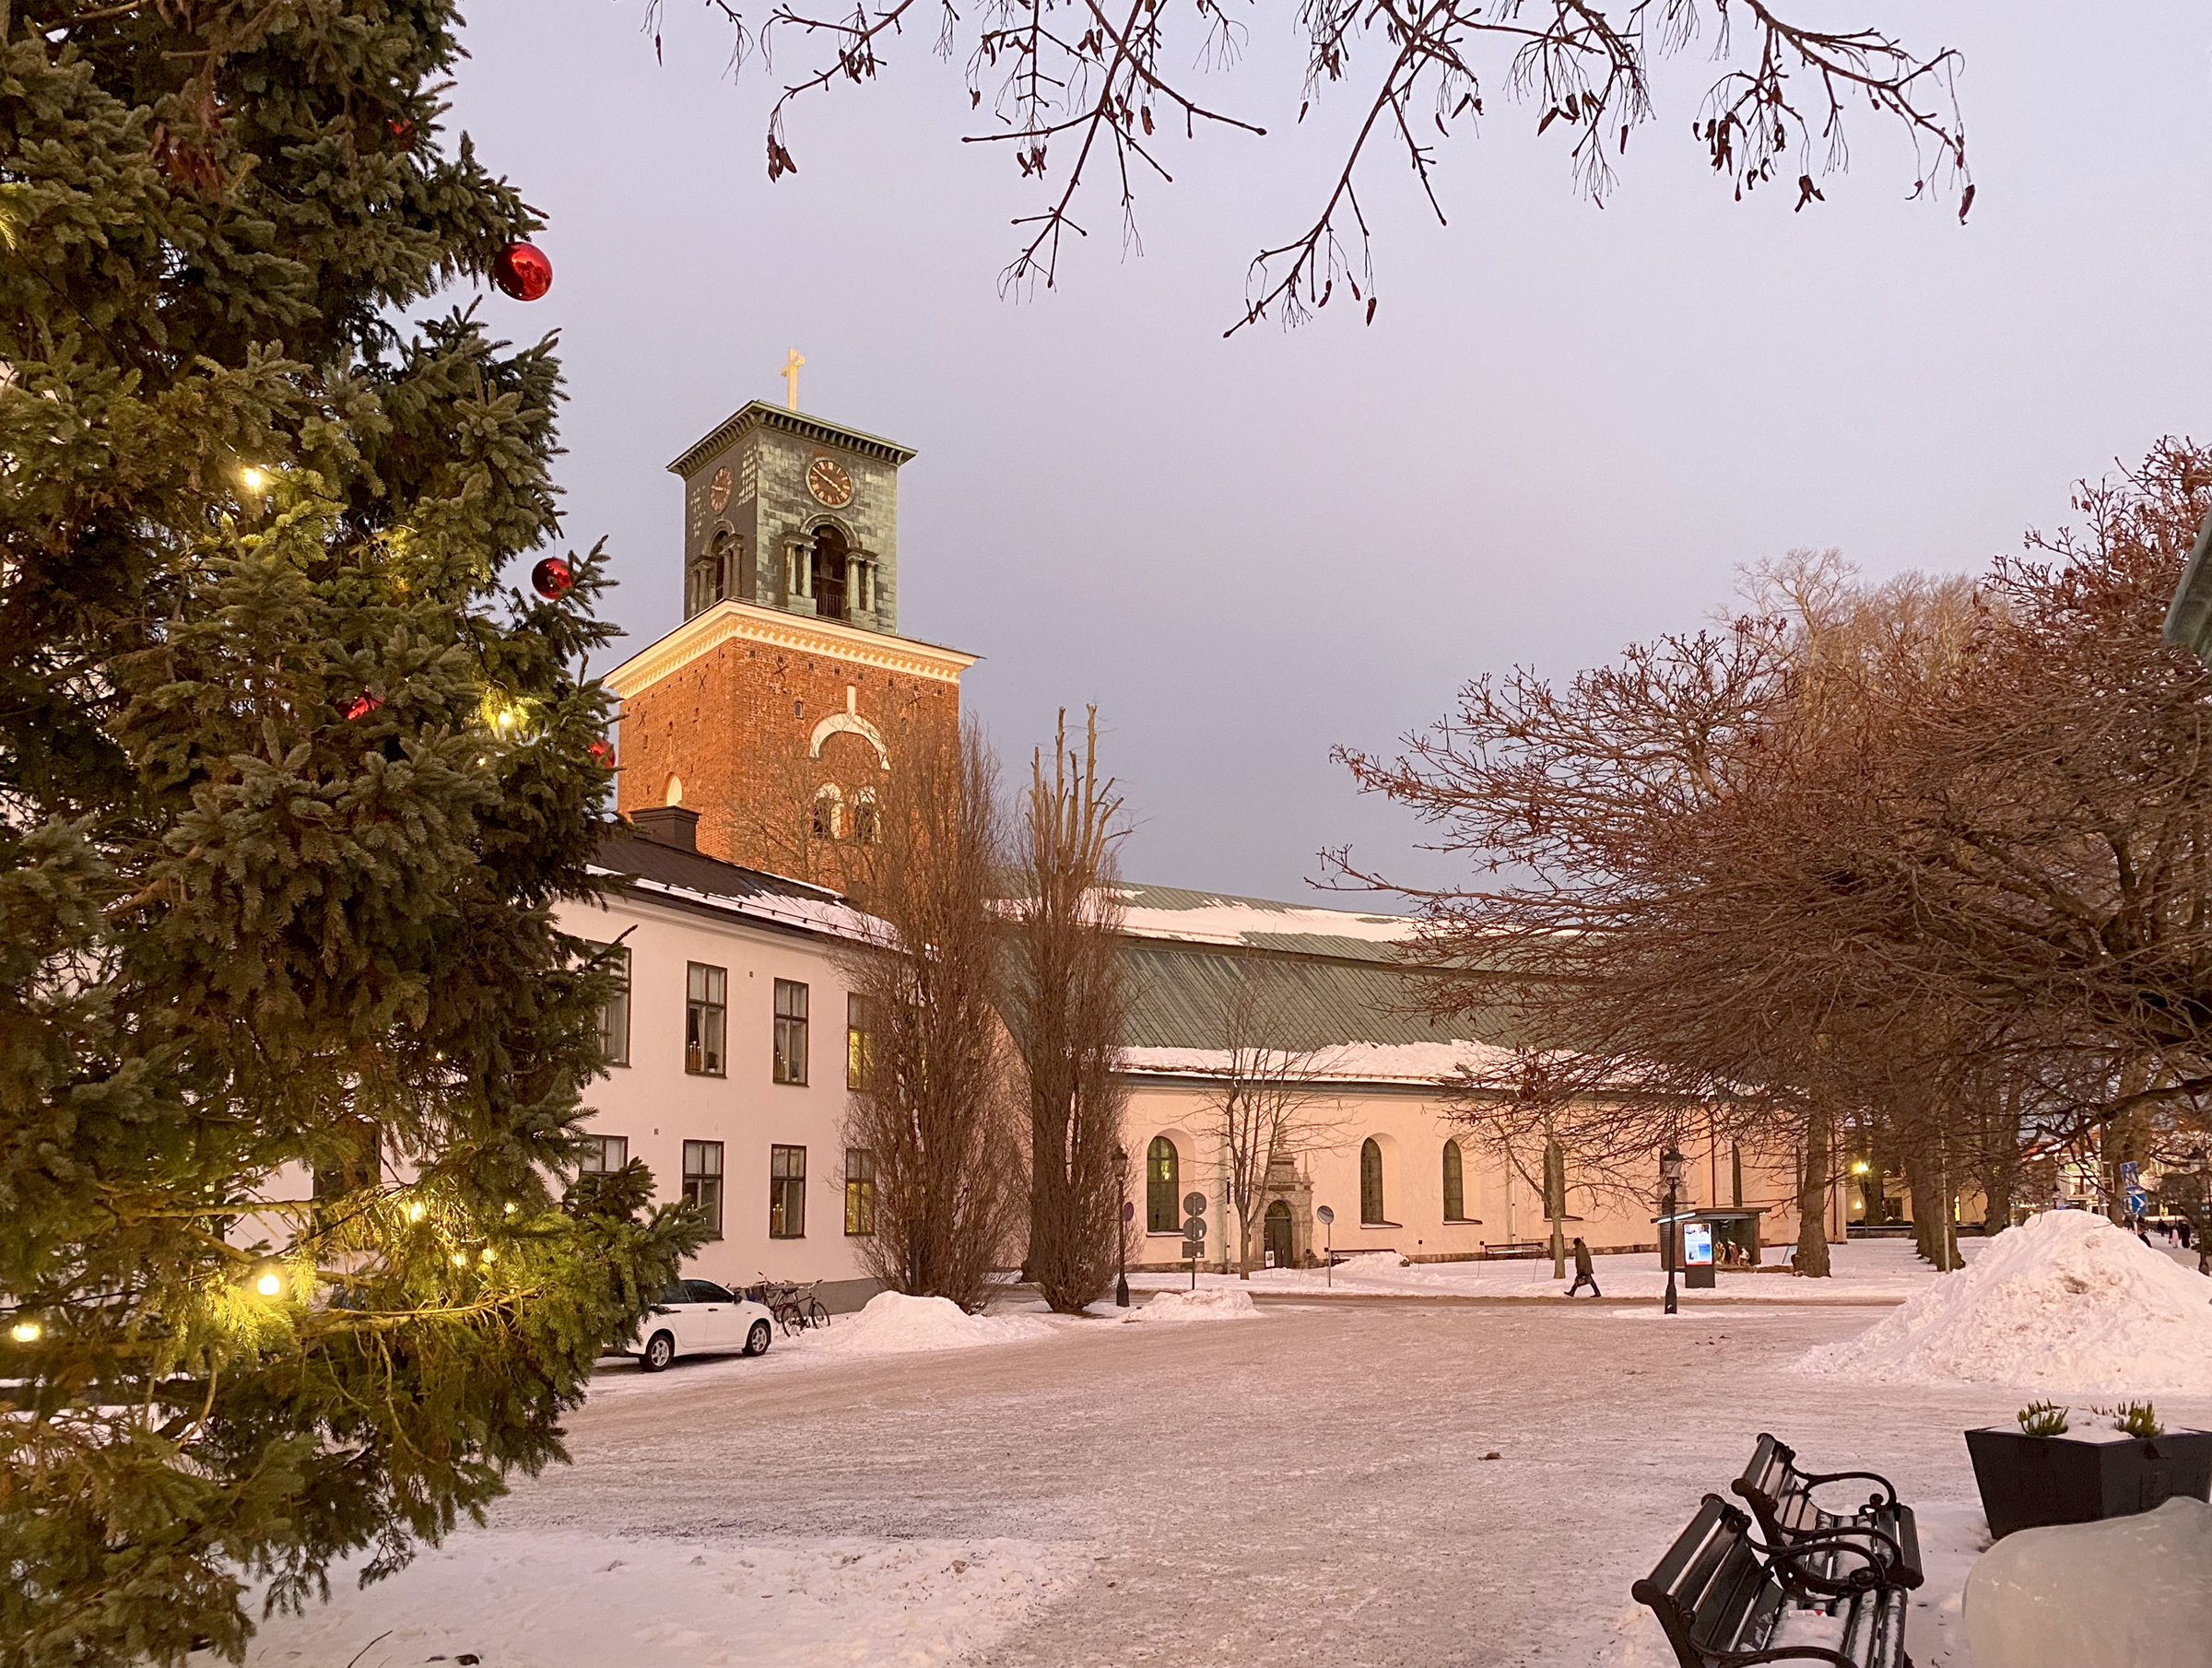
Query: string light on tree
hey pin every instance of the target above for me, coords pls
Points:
(26, 1331)
(268, 1284)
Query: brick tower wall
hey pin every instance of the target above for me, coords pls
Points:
(735, 724)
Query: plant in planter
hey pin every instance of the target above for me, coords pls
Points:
(2045, 1473)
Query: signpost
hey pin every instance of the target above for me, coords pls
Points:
(1193, 1232)
(1328, 1261)
(1120, 1285)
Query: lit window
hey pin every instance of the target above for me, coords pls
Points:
(791, 1031)
(860, 1190)
(702, 1182)
(860, 1043)
(703, 1016)
(1161, 1168)
(787, 1192)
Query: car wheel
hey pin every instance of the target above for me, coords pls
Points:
(660, 1349)
(756, 1341)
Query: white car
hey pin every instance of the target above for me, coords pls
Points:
(699, 1318)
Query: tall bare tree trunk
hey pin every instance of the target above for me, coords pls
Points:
(1063, 1006)
(1814, 1174)
(932, 1131)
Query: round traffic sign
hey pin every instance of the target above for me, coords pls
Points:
(1194, 1204)
(1128, 1213)
(1194, 1227)
(1325, 1215)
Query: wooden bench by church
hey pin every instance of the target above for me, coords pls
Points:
(1516, 1247)
(1837, 1546)
(1720, 1597)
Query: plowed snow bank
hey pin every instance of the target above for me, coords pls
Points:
(895, 1325)
(1211, 1303)
(2068, 1305)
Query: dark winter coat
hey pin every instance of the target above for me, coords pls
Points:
(1582, 1258)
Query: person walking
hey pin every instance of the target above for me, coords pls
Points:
(1582, 1276)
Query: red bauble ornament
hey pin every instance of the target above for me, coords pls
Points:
(552, 579)
(360, 706)
(603, 754)
(522, 270)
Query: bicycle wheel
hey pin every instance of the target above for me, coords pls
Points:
(793, 1319)
(816, 1314)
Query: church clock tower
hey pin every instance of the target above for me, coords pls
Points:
(778, 708)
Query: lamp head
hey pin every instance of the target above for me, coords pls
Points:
(1670, 1164)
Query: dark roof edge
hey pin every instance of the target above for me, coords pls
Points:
(760, 414)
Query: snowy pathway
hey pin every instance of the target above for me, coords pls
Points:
(1310, 1487)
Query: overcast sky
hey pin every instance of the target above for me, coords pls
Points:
(1564, 431)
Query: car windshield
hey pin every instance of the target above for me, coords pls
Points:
(706, 1291)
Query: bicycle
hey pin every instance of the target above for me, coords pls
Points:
(796, 1307)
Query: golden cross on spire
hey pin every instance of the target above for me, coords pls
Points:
(790, 373)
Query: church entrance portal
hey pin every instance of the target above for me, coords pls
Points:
(1276, 1225)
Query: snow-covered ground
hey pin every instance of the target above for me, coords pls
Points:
(1362, 1482)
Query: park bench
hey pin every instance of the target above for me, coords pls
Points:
(1516, 1247)
(1720, 1597)
(1838, 1549)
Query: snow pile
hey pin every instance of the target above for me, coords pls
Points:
(1213, 1303)
(2068, 1305)
(896, 1324)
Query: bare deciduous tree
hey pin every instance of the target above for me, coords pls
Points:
(1063, 1004)
(1270, 1099)
(936, 1111)
(1101, 83)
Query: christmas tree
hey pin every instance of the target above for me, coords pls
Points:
(294, 775)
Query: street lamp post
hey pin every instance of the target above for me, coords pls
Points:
(1670, 1171)
(1120, 1229)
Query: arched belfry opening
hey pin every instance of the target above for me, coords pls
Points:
(828, 563)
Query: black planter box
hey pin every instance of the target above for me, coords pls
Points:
(2028, 1482)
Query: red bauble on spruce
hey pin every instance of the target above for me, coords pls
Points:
(552, 579)
(603, 754)
(522, 270)
(360, 706)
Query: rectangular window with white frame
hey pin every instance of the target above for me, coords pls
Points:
(860, 1042)
(702, 1182)
(603, 1154)
(614, 1012)
(705, 1010)
(791, 1031)
(786, 1193)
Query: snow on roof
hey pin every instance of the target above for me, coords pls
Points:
(1345, 1063)
(1222, 918)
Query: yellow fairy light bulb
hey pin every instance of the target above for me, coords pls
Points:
(460, 1259)
(414, 1210)
(268, 1286)
(253, 479)
(487, 1255)
(26, 1331)
(510, 1207)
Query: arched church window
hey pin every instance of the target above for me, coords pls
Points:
(674, 793)
(828, 563)
(829, 814)
(1160, 1182)
(1370, 1182)
(1455, 1184)
(863, 821)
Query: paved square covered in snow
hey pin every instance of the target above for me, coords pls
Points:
(1373, 1479)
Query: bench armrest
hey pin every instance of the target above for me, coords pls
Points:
(1888, 1488)
(1884, 1562)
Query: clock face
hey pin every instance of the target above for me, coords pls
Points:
(718, 489)
(830, 483)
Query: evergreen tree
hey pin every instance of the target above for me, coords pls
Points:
(289, 1044)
